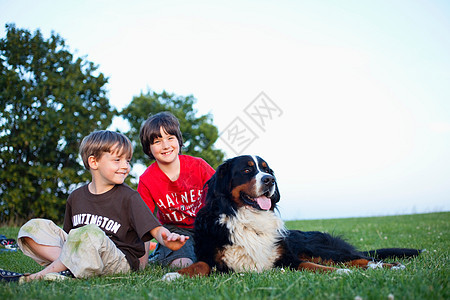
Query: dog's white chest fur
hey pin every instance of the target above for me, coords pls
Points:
(254, 235)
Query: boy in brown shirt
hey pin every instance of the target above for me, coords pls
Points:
(106, 222)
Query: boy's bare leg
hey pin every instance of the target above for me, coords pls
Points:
(181, 262)
(54, 267)
(50, 253)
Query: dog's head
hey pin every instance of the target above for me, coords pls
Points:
(246, 181)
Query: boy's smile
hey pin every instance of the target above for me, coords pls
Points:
(167, 153)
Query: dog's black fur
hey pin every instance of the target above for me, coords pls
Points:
(242, 187)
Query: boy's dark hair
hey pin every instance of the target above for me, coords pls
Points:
(104, 141)
(151, 129)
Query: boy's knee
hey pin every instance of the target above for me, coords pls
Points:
(36, 228)
(89, 234)
(34, 225)
(90, 230)
(181, 262)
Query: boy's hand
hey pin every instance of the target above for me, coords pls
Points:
(173, 241)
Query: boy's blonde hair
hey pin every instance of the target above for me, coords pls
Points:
(99, 142)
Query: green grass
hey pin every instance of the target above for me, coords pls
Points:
(426, 277)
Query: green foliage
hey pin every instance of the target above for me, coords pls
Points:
(425, 277)
(49, 101)
(198, 132)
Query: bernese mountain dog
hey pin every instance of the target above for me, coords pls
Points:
(237, 230)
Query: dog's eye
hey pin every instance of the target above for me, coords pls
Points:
(247, 170)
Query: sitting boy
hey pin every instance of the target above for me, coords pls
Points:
(106, 222)
(173, 185)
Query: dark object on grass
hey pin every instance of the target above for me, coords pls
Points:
(9, 276)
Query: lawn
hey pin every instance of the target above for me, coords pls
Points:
(425, 277)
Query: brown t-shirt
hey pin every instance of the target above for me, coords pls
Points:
(120, 213)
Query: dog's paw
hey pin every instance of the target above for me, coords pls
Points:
(375, 265)
(398, 267)
(343, 271)
(171, 276)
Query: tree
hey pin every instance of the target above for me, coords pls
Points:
(198, 132)
(49, 101)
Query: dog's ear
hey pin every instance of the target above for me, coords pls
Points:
(222, 178)
(276, 195)
(215, 183)
(218, 190)
(223, 170)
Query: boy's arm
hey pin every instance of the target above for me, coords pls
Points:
(171, 240)
(143, 261)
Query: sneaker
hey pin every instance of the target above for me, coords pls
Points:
(63, 275)
(9, 276)
(10, 245)
(67, 273)
(6, 242)
(55, 277)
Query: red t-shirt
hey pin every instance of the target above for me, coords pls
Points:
(178, 201)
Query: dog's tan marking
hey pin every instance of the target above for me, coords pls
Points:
(362, 263)
(315, 267)
(246, 188)
(316, 260)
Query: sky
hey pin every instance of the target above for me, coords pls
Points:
(348, 101)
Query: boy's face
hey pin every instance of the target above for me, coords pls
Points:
(111, 168)
(165, 149)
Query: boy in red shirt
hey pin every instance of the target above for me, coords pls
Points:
(173, 184)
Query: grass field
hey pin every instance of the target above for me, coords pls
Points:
(425, 277)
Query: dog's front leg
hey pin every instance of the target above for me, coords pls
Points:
(196, 269)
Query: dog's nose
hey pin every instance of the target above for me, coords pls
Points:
(268, 180)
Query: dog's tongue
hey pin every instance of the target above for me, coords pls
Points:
(264, 202)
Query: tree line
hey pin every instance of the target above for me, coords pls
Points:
(50, 100)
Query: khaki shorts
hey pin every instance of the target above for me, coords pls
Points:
(85, 251)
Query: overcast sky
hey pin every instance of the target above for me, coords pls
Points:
(348, 101)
